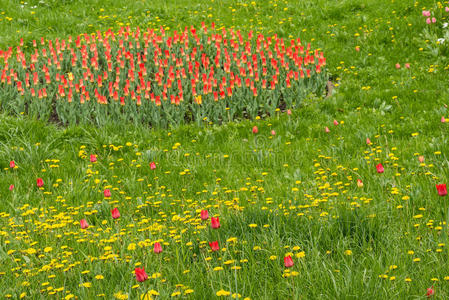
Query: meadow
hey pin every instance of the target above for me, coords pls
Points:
(337, 194)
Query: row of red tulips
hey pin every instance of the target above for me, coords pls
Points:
(159, 79)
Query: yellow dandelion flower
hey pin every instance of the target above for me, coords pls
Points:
(303, 254)
(119, 295)
(177, 293)
(223, 293)
(86, 284)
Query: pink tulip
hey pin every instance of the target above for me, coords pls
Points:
(93, 158)
(398, 66)
(289, 112)
(430, 292)
(39, 182)
(11, 187)
(421, 159)
(434, 20)
(141, 275)
(215, 222)
(214, 246)
(327, 129)
(443, 120)
(115, 213)
(83, 224)
(12, 164)
(441, 189)
(446, 9)
(157, 248)
(380, 168)
(428, 21)
(407, 66)
(204, 215)
(255, 130)
(273, 132)
(426, 13)
(335, 122)
(368, 141)
(288, 262)
(153, 165)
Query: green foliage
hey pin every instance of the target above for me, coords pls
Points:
(294, 192)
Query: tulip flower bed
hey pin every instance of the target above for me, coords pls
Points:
(152, 77)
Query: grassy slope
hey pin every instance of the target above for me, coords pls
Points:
(377, 223)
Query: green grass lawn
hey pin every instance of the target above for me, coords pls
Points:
(290, 192)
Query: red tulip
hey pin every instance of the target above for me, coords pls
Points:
(40, 182)
(11, 187)
(430, 292)
(83, 224)
(327, 129)
(255, 129)
(115, 213)
(141, 275)
(214, 246)
(107, 193)
(157, 248)
(288, 261)
(93, 158)
(441, 188)
(359, 183)
(335, 122)
(12, 164)
(153, 165)
(380, 168)
(215, 222)
(204, 214)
